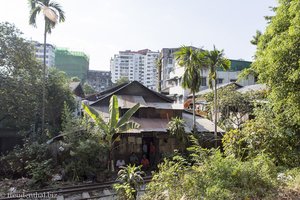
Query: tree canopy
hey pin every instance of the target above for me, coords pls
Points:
(21, 84)
(20, 79)
(278, 62)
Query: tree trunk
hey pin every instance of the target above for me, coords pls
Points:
(194, 114)
(216, 114)
(44, 79)
(159, 78)
(110, 162)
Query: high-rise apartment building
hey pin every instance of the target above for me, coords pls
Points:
(99, 80)
(135, 66)
(74, 63)
(168, 62)
(50, 53)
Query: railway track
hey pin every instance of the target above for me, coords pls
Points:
(82, 192)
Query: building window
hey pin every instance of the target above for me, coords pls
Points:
(219, 81)
(203, 81)
(170, 61)
(233, 80)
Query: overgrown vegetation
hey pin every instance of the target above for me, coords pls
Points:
(213, 176)
(261, 155)
(116, 124)
(130, 178)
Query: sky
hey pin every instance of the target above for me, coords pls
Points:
(102, 28)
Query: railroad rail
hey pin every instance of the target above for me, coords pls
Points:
(61, 192)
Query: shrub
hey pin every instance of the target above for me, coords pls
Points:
(218, 177)
(33, 160)
(264, 134)
(131, 179)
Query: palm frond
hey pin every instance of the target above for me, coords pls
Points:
(61, 14)
(33, 14)
(128, 115)
(92, 113)
(113, 112)
(128, 126)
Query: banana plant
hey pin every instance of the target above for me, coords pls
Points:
(116, 125)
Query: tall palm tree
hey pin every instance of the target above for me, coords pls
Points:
(114, 126)
(192, 60)
(53, 13)
(159, 69)
(215, 58)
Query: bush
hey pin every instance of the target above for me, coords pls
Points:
(83, 160)
(264, 134)
(217, 177)
(84, 149)
(33, 160)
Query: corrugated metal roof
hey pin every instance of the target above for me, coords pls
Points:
(255, 87)
(128, 101)
(165, 106)
(206, 91)
(203, 125)
(149, 125)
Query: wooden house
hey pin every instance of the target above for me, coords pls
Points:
(155, 111)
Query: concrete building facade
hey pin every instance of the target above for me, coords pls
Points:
(50, 53)
(135, 66)
(180, 94)
(99, 80)
(74, 63)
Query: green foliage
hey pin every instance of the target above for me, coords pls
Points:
(217, 177)
(198, 154)
(276, 127)
(88, 89)
(36, 6)
(83, 147)
(20, 85)
(20, 80)
(277, 63)
(215, 59)
(193, 60)
(168, 182)
(124, 191)
(131, 179)
(116, 124)
(234, 106)
(40, 172)
(263, 134)
(176, 128)
(83, 160)
(33, 160)
(58, 93)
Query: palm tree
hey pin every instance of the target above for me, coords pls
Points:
(114, 126)
(131, 176)
(53, 13)
(176, 128)
(215, 58)
(159, 69)
(192, 60)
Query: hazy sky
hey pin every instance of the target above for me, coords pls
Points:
(101, 28)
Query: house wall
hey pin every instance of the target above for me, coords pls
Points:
(157, 113)
(163, 142)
